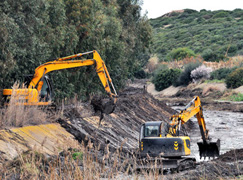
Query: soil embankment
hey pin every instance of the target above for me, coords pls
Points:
(121, 128)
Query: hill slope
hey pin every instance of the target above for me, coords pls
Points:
(212, 34)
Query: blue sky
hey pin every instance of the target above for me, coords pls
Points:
(156, 8)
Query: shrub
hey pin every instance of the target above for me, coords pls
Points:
(165, 78)
(185, 77)
(235, 79)
(140, 74)
(237, 97)
(202, 72)
(209, 55)
(221, 73)
(221, 14)
(180, 53)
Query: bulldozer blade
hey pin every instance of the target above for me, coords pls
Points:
(209, 150)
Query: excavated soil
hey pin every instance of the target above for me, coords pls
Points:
(134, 107)
(227, 165)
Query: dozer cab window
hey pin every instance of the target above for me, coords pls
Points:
(151, 131)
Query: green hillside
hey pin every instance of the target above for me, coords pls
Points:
(214, 35)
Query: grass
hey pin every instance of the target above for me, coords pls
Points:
(97, 165)
(236, 97)
(92, 165)
(232, 62)
(214, 81)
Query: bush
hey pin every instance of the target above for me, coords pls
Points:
(221, 14)
(141, 74)
(237, 97)
(202, 72)
(209, 55)
(235, 79)
(180, 53)
(221, 73)
(185, 77)
(165, 78)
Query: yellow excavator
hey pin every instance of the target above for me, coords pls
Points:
(169, 146)
(40, 91)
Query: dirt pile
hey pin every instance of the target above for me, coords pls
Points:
(121, 128)
(232, 156)
(229, 164)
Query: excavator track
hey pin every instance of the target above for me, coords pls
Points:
(172, 164)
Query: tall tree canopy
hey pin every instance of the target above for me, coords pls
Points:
(35, 31)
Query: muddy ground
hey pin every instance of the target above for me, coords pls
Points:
(119, 131)
(135, 106)
(227, 166)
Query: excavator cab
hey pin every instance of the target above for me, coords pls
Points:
(46, 93)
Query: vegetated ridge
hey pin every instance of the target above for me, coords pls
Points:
(215, 35)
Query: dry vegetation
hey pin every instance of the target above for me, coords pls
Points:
(77, 163)
(232, 62)
(86, 163)
(15, 114)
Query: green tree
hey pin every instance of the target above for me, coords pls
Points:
(165, 78)
(235, 79)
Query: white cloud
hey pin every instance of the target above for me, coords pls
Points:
(157, 8)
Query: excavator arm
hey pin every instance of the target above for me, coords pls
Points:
(193, 108)
(66, 63)
(206, 148)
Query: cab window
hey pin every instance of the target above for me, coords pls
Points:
(45, 91)
(151, 131)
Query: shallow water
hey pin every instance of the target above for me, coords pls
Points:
(223, 125)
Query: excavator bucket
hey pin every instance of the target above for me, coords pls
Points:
(210, 150)
(105, 105)
(109, 107)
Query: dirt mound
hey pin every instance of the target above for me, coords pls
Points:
(231, 156)
(120, 128)
(228, 165)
